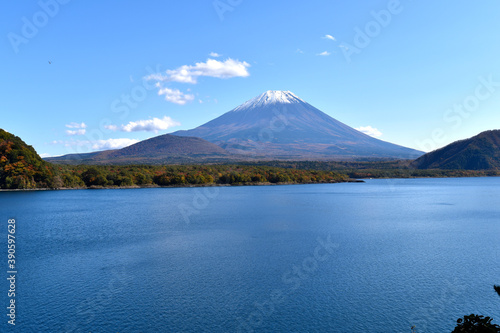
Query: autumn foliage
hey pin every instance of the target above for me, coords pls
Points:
(187, 175)
(22, 168)
(20, 165)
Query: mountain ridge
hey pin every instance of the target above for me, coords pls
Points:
(273, 125)
(480, 152)
(164, 148)
(282, 125)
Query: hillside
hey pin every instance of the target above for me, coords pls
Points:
(166, 146)
(158, 150)
(280, 125)
(481, 152)
(20, 165)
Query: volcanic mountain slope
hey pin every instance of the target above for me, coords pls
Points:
(481, 152)
(160, 149)
(278, 124)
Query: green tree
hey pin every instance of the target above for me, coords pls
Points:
(71, 180)
(143, 179)
(20, 165)
(94, 177)
(497, 289)
(476, 324)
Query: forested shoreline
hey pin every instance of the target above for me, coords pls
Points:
(22, 168)
(52, 176)
(83, 176)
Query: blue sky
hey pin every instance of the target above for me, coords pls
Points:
(417, 73)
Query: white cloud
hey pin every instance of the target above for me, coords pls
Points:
(324, 54)
(330, 37)
(111, 127)
(212, 68)
(76, 125)
(76, 132)
(150, 125)
(368, 130)
(112, 143)
(98, 144)
(215, 54)
(299, 51)
(175, 96)
(44, 155)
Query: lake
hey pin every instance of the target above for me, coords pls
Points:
(370, 257)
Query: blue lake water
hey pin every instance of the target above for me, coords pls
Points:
(371, 257)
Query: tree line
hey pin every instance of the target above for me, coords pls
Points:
(377, 169)
(22, 168)
(84, 176)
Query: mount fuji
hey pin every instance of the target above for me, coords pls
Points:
(278, 124)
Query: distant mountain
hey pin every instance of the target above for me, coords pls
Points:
(274, 125)
(161, 149)
(278, 124)
(20, 165)
(481, 152)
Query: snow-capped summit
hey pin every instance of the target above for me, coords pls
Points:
(270, 97)
(280, 125)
